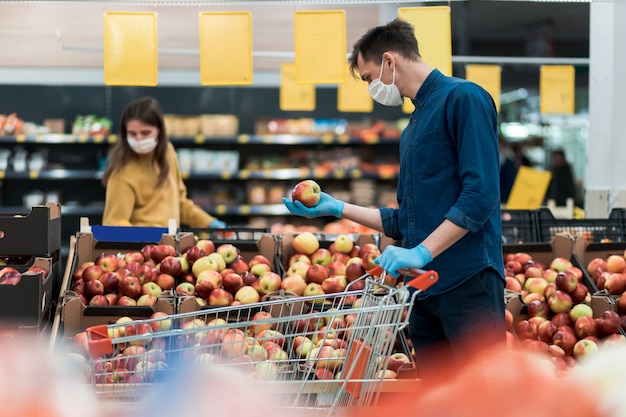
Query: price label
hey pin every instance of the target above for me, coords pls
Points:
(98, 139)
(327, 138)
(356, 173)
(343, 139)
(245, 209)
(1, 175)
(199, 139)
(185, 175)
(340, 174)
(244, 174)
(112, 138)
(226, 175)
(33, 175)
(243, 139)
(220, 209)
(39, 138)
(83, 139)
(20, 138)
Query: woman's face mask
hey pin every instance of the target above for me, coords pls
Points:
(143, 146)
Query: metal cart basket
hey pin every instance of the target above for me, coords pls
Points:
(327, 352)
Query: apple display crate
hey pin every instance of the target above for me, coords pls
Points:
(610, 230)
(327, 353)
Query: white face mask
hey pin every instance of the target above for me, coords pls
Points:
(385, 94)
(143, 146)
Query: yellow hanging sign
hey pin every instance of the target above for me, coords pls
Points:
(225, 37)
(556, 89)
(488, 77)
(353, 95)
(320, 46)
(529, 189)
(294, 96)
(130, 48)
(434, 34)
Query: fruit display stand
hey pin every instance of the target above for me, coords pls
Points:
(76, 316)
(31, 273)
(612, 229)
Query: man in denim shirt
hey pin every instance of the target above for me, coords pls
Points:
(448, 215)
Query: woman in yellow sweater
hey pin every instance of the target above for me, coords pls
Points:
(143, 183)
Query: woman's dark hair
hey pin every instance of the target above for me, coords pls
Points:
(147, 110)
(397, 35)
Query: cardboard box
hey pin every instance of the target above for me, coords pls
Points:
(266, 245)
(75, 315)
(37, 233)
(28, 302)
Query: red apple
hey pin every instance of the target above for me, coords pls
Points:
(207, 246)
(110, 281)
(92, 273)
(566, 282)
(256, 259)
(219, 297)
(99, 300)
(239, 265)
(247, 295)
(143, 273)
(125, 300)
(334, 284)
(161, 251)
(560, 302)
(546, 331)
(165, 281)
(171, 265)
(585, 326)
(107, 261)
(615, 283)
(608, 323)
(308, 192)
(294, 284)
(228, 251)
(565, 340)
(269, 282)
(93, 288)
(232, 282)
(538, 308)
(595, 267)
(185, 289)
(299, 257)
(316, 273)
(193, 253)
(615, 263)
(306, 243)
(130, 287)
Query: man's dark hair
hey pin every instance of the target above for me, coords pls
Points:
(397, 35)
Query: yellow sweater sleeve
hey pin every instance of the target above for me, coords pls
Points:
(120, 203)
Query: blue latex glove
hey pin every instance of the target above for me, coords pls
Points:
(327, 206)
(217, 224)
(395, 257)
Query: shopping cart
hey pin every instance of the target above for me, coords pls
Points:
(326, 353)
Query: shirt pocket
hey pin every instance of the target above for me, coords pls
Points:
(432, 153)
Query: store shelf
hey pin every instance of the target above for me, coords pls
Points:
(52, 174)
(287, 174)
(282, 139)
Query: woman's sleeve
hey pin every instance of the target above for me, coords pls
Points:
(119, 203)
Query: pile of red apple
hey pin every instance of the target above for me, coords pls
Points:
(313, 270)
(128, 279)
(11, 276)
(560, 321)
(220, 276)
(609, 275)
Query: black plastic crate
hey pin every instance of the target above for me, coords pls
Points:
(608, 230)
(519, 226)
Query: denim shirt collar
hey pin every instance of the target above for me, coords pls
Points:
(426, 88)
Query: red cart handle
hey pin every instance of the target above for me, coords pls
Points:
(422, 281)
(99, 342)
